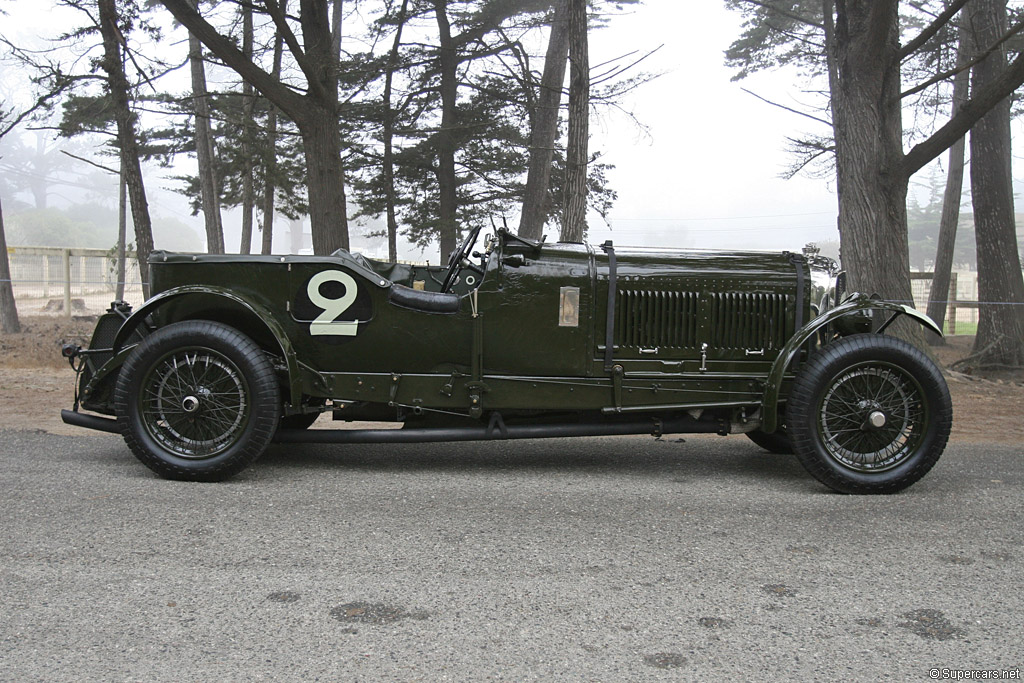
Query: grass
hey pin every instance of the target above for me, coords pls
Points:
(962, 328)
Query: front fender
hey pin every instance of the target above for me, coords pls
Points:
(257, 309)
(857, 303)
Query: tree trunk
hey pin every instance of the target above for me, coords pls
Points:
(869, 151)
(122, 233)
(127, 141)
(326, 185)
(447, 181)
(389, 137)
(574, 224)
(315, 113)
(536, 199)
(321, 140)
(248, 104)
(1000, 338)
(270, 163)
(269, 181)
(209, 188)
(950, 201)
(8, 308)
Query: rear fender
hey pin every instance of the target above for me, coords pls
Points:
(857, 303)
(261, 312)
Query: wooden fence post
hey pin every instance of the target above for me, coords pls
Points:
(66, 256)
(951, 305)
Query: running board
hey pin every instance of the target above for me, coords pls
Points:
(499, 431)
(495, 431)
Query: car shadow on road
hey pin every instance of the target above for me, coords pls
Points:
(677, 458)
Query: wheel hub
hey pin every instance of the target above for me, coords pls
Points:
(874, 417)
(190, 404)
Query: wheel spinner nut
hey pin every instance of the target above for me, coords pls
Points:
(876, 419)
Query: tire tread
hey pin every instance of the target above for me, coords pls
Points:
(264, 395)
(802, 421)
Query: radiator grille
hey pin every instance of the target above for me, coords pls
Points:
(102, 338)
(656, 318)
(740, 320)
(673, 319)
(106, 330)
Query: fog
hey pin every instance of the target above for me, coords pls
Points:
(700, 166)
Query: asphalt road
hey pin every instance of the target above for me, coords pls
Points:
(616, 559)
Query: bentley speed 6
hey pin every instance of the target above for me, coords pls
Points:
(522, 339)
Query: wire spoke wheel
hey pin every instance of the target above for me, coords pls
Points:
(869, 414)
(872, 417)
(197, 400)
(195, 403)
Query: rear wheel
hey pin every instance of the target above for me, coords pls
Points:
(197, 401)
(869, 414)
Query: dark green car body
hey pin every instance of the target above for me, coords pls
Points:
(568, 336)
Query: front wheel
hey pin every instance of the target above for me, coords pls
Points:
(197, 401)
(869, 414)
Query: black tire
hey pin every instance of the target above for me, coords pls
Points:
(197, 401)
(869, 414)
(776, 442)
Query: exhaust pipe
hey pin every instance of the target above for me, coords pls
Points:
(100, 424)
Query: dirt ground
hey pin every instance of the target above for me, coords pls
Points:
(35, 383)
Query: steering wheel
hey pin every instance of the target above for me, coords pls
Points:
(455, 261)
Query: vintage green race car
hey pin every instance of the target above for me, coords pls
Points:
(523, 340)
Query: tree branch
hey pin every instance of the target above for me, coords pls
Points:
(931, 29)
(1014, 30)
(791, 173)
(41, 102)
(281, 22)
(289, 102)
(973, 110)
(789, 15)
(618, 71)
(789, 109)
(91, 163)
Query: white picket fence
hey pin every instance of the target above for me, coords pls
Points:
(962, 306)
(58, 281)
